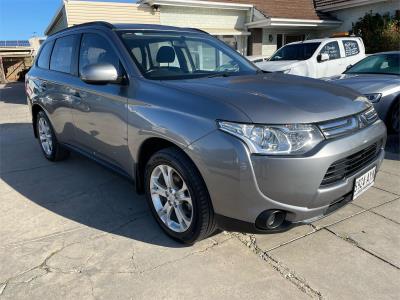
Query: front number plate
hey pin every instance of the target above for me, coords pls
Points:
(364, 182)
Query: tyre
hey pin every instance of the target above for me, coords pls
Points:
(394, 118)
(178, 197)
(52, 150)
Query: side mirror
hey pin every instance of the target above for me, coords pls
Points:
(349, 67)
(323, 57)
(100, 74)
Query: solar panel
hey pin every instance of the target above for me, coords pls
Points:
(17, 43)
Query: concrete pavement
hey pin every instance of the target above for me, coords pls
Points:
(74, 230)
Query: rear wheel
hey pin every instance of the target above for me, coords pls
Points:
(178, 197)
(52, 150)
(394, 118)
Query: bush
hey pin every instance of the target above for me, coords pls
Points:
(379, 32)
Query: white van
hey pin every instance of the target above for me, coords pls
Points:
(316, 58)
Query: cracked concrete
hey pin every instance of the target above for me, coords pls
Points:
(73, 230)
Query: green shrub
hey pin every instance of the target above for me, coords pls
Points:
(379, 32)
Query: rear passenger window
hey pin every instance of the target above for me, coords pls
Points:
(350, 48)
(332, 49)
(61, 58)
(44, 56)
(96, 50)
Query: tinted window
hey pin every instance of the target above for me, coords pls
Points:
(332, 49)
(351, 48)
(377, 64)
(61, 58)
(96, 50)
(301, 51)
(44, 56)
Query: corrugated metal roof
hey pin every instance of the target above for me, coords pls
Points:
(16, 43)
(324, 3)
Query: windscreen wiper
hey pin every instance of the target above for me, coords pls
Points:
(220, 74)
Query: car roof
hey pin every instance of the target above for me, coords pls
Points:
(326, 39)
(127, 26)
(387, 52)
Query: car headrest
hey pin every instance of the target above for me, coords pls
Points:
(166, 54)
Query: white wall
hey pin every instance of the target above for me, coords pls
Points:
(351, 15)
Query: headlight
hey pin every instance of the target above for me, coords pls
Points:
(275, 139)
(373, 97)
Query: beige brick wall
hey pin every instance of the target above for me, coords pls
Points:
(203, 18)
(84, 11)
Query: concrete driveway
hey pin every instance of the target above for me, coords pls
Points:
(74, 230)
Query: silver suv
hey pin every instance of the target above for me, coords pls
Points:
(210, 139)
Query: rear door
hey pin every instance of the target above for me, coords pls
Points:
(353, 51)
(56, 94)
(100, 116)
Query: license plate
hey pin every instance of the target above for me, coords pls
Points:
(364, 182)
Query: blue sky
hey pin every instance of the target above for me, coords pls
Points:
(21, 19)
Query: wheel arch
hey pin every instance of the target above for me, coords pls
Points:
(146, 151)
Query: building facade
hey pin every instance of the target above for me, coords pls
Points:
(252, 27)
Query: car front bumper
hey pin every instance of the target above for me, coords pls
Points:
(242, 185)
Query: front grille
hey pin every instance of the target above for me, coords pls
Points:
(347, 125)
(346, 167)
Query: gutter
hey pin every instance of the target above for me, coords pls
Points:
(197, 3)
(55, 17)
(277, 22)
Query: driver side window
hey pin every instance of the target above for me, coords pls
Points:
(96, 50)
(208, 58)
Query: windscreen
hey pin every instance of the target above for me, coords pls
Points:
(165, 55)
(301, 51)
(377, 64)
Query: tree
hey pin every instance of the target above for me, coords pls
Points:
(379, 32)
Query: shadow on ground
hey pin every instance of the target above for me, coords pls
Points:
(13, 93)
(393, 147)
(77, 189)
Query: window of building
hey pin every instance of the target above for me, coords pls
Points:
(96, 50)
(351, 47)
(44, 56)
(332, 49)
(62, 55)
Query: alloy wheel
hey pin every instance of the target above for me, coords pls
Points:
(45, 136)
(171, 198)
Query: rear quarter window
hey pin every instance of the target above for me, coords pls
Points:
(350, 47)
(44, 55)
(62, 55)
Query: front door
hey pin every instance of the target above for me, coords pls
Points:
(100, 116)
(332, 66)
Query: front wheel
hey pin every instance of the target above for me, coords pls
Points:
(178, 197)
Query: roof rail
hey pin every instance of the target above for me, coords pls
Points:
(98, 23)
(196, 29)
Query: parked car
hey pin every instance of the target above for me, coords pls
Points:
(210, 139)
(378, 78)
(316, 58)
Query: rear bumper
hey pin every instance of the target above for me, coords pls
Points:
(242, 186)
